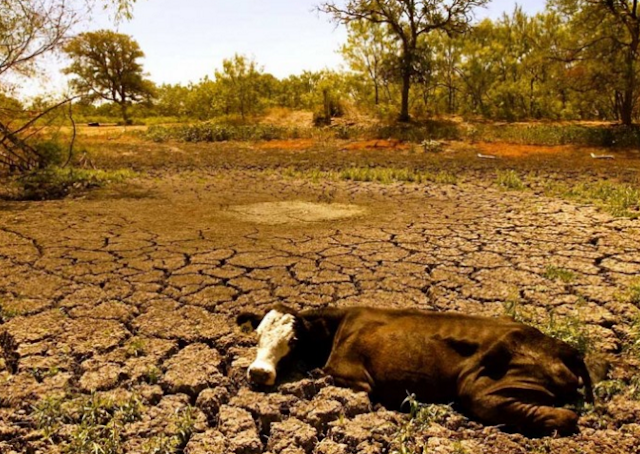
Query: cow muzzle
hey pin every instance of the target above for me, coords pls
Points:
(261, 373)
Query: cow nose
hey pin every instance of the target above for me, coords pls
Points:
(261, 374)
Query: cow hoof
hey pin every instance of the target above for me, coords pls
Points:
(562, 421)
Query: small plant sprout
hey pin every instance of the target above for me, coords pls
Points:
(136, 347)
(557, 273)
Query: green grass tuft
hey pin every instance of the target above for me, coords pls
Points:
(408, 438)
(509, 180)
(557, 273)
(90, 423)
(567, 329)
(618, 199)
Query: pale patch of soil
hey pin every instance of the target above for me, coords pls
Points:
(275, 213)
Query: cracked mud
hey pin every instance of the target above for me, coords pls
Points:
(118, 296)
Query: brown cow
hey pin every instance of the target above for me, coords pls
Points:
(497, 371)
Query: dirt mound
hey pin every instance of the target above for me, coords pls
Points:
(275, 213)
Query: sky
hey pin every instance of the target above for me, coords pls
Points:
(184, 40)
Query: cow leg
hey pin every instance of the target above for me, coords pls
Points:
(519, 408)
(349, 374)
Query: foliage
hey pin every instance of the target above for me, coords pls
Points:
(409, 23)
(106, 67)
(369, 50)
(57, 182)
(608, 389)
(30, 29)
(241, 86)
(211, 132)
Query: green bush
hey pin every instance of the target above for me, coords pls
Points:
(50, 153)
(212, 132)
(56, 182)
(158, 133)
(558, 134)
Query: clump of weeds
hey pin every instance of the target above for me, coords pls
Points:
(567, 329)
(509, 180)
(421, 416)
(96, 421)
(557, 273)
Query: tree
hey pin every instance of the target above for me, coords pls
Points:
(28, 30)
(368, 47)
(242, 84)
(409, 21)
(607, 34)
(107, 67)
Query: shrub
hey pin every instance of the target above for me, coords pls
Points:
(158, 133)
(56, 182)
(51, 153)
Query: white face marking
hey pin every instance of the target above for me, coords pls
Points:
(276, 331)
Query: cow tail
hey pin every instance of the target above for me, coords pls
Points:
(583, 373)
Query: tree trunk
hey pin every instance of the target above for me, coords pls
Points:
(406, 86)
(377, 92)
(125, 113)
(627, 103)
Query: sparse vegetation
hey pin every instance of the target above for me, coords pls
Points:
(633, 294)
(213, 132)
(136, 347)
(509, 180)
(153, 375)
(421, 416)
(633, 343)
(160, 444)
(94, 424)
(557, 273)
(608, 389)
(56, 182)
(383, 175)
(393, 175)
(618, 199)
(567, 329)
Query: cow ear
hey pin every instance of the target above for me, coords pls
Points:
(249, 320)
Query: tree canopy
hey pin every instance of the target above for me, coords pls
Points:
(409, 21)
(106, 65)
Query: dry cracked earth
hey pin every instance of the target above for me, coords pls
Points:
(118, 309)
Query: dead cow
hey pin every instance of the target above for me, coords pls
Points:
(496, 370)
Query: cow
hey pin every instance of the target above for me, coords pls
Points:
(495, 370)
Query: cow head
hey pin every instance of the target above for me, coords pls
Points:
(276, 334)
